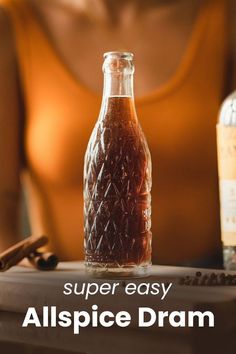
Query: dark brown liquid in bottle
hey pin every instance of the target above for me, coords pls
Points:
(117, 184)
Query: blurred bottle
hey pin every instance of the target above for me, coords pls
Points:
(117, 179)
(226, 141)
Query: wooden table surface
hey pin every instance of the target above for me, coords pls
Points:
(23, 287)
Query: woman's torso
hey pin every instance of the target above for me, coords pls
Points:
(178, 119)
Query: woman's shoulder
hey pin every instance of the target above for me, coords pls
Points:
(8, 61)
(16, 17)
(5, 27)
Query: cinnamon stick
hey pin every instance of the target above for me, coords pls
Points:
(22, 249)
(43, 261)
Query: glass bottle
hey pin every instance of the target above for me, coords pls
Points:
(226, 141)
(117, 180)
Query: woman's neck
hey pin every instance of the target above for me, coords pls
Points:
(111, 11)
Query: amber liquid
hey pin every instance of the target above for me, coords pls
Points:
(117, 184)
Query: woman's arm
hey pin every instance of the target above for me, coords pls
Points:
(10, 140)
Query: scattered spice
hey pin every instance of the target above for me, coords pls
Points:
(208, 279)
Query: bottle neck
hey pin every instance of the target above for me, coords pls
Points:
(118, 84)
(118, 97)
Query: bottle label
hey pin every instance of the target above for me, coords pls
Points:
(226, 140)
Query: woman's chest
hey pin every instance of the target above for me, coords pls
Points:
(57, 135)
(81, 40)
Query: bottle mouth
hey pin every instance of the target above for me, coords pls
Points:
(118, 63)
(119, 55)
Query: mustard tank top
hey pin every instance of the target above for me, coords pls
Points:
(178, 120)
